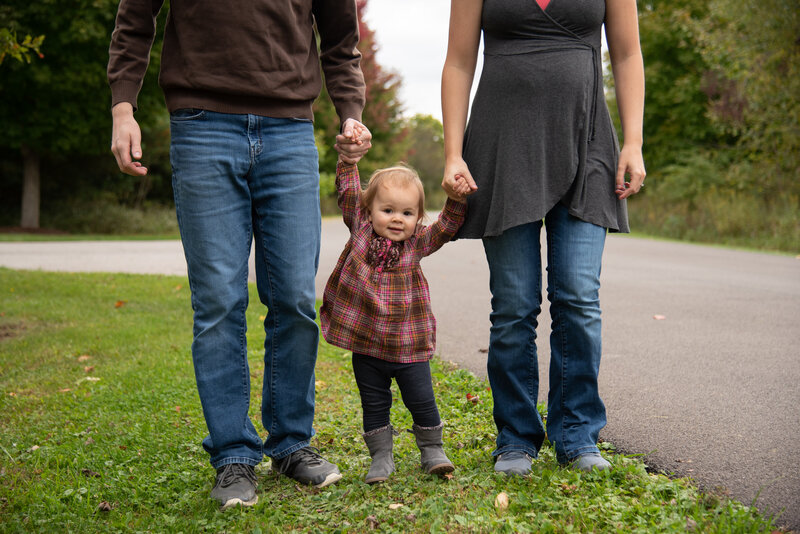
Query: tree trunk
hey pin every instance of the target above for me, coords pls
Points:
(30, 189)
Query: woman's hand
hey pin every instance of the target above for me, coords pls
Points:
(457, 181)
(631, 163)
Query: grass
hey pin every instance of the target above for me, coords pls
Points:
(101, 427)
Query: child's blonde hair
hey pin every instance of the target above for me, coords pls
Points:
(399, 175)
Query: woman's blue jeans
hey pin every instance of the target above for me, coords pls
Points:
(575, 412)
(236, 177)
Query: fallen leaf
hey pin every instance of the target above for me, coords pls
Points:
(64, 390)
(178, 287)
(320, 384)
(373, 521)
(34, 448)
(89, 473)
(89, 441)
(84, 357)
(659, 317)
(178, 409)
(93, 378)
(88, 369)
(501, 501)
(474, 399)
(411, 517)
(448, 476)
(120, 303)
(12, 394)
(104, 506)
(395, 506)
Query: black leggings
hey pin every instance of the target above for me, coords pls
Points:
(374, 378)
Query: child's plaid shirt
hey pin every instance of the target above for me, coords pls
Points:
(384, 312)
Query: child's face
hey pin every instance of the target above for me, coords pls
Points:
(394, 212)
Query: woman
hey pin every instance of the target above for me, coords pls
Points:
(540, 146)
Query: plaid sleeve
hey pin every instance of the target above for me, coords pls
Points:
(348, 187)
(432, 237)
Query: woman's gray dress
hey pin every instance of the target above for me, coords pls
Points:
(539, 131)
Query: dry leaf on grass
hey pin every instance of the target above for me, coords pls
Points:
(501, 501)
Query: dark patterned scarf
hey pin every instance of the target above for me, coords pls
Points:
(383, 253)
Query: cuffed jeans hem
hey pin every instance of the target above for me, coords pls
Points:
(235, 460)
(294, 448)
(573, 455)
(530, 451)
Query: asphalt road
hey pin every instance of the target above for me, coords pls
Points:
(709, 390)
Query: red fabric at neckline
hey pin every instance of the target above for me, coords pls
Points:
(543, 3)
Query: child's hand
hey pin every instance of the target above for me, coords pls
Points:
(354, 142)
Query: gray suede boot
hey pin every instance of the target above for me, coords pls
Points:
(429, 441)
(379, 442)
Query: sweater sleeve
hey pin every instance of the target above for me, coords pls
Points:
(431, 238)
(337, 24)
(129, 52)
(348, 187)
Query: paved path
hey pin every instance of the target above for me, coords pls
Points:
(710, 392)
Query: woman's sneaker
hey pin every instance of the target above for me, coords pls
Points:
(589, 461)
(307, 467)
(513, 463)
(235, 484)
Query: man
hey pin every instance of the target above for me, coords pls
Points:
(239, 78)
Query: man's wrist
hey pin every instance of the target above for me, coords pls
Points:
(123, 109)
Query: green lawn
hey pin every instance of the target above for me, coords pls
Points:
(101, 427)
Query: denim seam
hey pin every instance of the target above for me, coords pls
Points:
(533, 453)
(272, 310)
(290, 450)
(559, 319)
(243, 346)
(235, 460)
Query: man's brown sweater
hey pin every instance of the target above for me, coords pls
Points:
(240, 56)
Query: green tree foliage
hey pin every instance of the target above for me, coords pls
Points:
(753, 87)
(425, 154)
(55, 111)
(721, 121)
(19, 50)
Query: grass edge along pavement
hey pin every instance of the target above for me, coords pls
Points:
(101, 426)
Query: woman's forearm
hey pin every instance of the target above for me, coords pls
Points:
(629, 84)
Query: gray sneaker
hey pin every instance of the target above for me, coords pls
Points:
(235, 484)
(307, 467)
(513, 463)
(592, 460)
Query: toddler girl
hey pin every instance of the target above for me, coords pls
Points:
(377, 304)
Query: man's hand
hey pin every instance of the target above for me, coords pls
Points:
(126, 140)
(354, 141)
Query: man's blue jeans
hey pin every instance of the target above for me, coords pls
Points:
(236, 177)
(575, 413)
